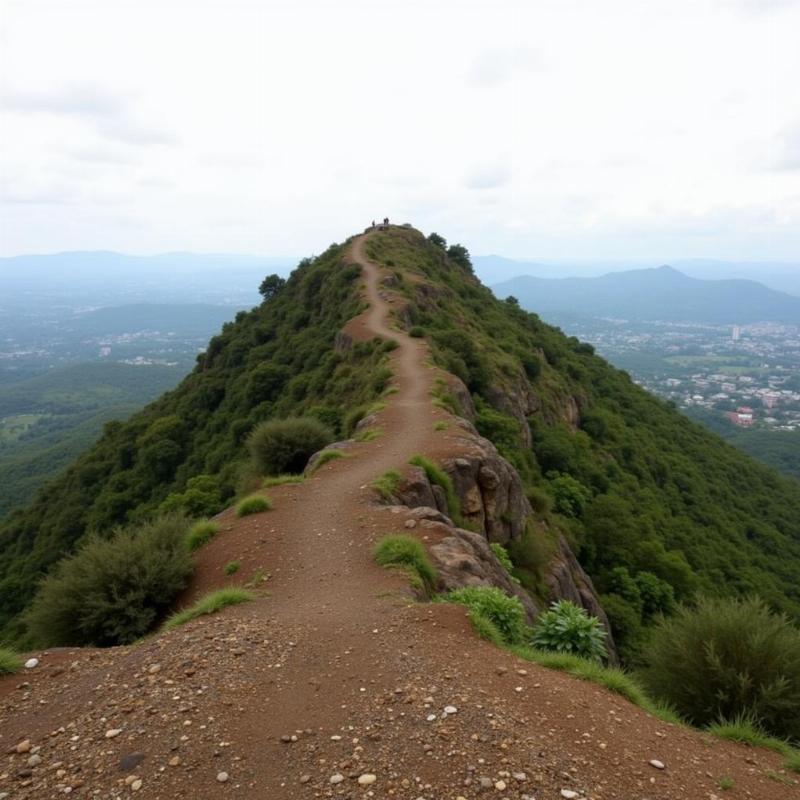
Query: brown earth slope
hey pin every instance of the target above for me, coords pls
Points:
(333, 674)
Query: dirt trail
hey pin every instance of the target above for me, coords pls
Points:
(334, 673)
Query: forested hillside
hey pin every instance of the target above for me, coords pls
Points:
(658, 507)
(276, 360)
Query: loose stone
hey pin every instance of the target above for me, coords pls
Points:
(222, 777)
(337, 778)
(367, 778)
(656, 763)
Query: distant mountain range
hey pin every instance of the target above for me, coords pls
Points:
(662, 293)
(780, 275)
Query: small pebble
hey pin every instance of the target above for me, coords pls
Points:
(337, 778)
(222, 777)
(366, 779)
(656, 763)
(31, 663)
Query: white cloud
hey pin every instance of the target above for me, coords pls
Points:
(491, 176)
(546, 129)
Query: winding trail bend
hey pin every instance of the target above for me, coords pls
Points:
(333, 673)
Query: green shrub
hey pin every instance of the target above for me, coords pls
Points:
(10, 662)
(201, 533)
(112, 591)
(504, 612)
(210, 604)
(285, 445)
(439, 477)
(566, 628)
(417, 331)
(368, 435)
(254, 504)
(725, 658)
(232, 567)
(387, 484)
(407, 553)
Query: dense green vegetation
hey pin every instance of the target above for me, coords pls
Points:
(275, 361)
(10, 662)
(566, 628)
(777, 449)
(47, 421)
(657, 508)
(280, 446)
(112, 590)
(726, 659)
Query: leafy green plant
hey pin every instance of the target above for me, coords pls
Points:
(504, 612)
(725, 658)
(112, 591)
(232, 567)
(406, 552)
(566, 628)
(416, 331)
(10, 662)
(202, 532)
(210, 603)
(284, 445)
(725, 784)
(436, 475)
(254, 504)
(441, 425)
(387, 484)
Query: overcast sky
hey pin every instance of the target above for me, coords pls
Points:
(620, 129)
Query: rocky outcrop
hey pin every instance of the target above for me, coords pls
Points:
(494, 507)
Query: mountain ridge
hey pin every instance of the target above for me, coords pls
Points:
(660, 293)
(332, 680)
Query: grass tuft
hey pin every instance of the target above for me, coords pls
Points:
(326, 456)
(387, 484)
(792, 762)
(744, 728)
(280, 480)
(201, 533)
(254, 504)
(232, 567)
(485, 627)
(10, 662)
(405, 552)
(441, 425)
(368, 435)
(209, 604)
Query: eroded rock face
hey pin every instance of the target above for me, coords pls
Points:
(494, 506)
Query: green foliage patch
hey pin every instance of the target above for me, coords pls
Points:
(387, 484)
(566, 628)
(725, 659)
(503, 612)
(201, 532)
(279, 446)
(10, 662)
(406, 552)
(113, 591)
(254, 504)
